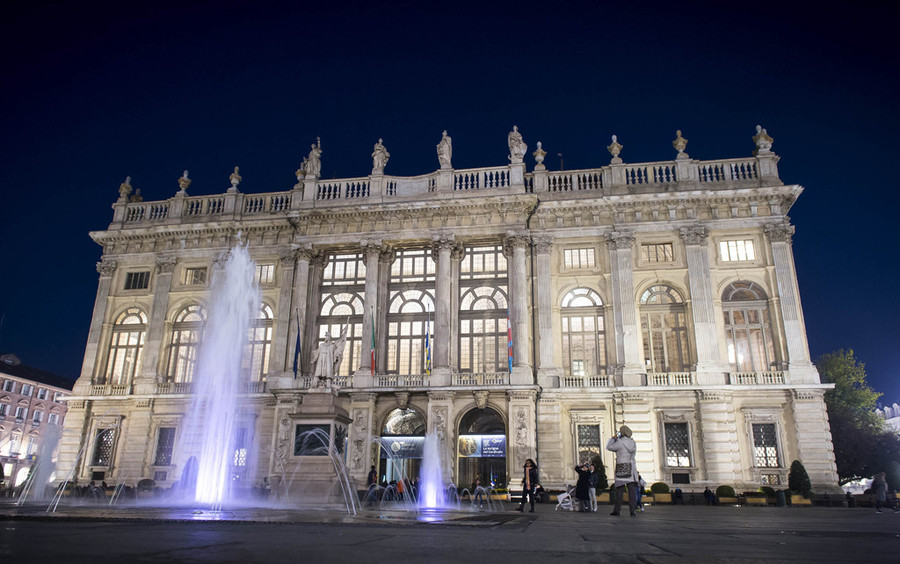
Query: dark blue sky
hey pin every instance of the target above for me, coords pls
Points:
(91, 93)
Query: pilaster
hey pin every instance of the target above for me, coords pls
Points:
(106, 268)
(442, 247)
(522, 429)
(279, 359)
(514, 246)
(146, 379)
(440, 416)
(628, 344)
(372, 250)
(360, 455)
(813, 436)
(548, 373)
(717, 425)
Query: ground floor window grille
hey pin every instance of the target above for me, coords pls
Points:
(678, 448)
(103, 446)
(589, 442)
(765, 445)
(770, 479)
(165, 444)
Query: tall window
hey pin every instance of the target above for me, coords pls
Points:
(664, 330)
(678, 447)
(27, 389)
(4, 409)
(9, 386)
(165, 446)
(483, 308)
(583, 333)
(126, 346)
(255, 361)
(589, 442)
(103, 447)
(410, 310)
(344, 282)
(749, 338)
(765, 445)
(187, 333)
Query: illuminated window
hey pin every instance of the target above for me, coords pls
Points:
(483, 308)
(583, 333)
(589, 443)
(165, 446)
(137, 280)
(739, 250)
(265, 273)
(126, 345)
(343, 270)
(578, 258)
(657, 252)
(255, 360)
(765, 445)
(103, 447)
(664, 330)
(195, 276)
(747, 332)
(187, 333)
(412, 265)
(678, 448)
(410, 311)
(337, 310)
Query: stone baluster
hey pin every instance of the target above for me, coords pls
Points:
(514, 248)
(801, 369)
(710, 368)
(106, 268)
(548, 373)
(628, 337)
(146, 377)
(441, 249)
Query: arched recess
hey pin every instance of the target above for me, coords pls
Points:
(748, 333)
(401, 445)
(583, 333)
(664, 330)
(481, 448)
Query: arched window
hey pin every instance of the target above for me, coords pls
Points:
(749, 337)
(403, 423)
(664, 330)
(337, 310)
(255, 361)
(583, 333)
(187, 333)
(125, 347)
(483, 307)
(410, 313)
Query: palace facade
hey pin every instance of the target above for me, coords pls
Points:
(516, 314)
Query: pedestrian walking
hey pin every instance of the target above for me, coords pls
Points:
(529, 482)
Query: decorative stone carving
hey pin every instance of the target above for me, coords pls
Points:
(440, 425)
(803, 395)
(235, 178)
(780, 232)
(620, 239)
(440, 242)
(694, 234)
(763, 141)
(305, 252)
(136, 197)
(283, 444)
(614, 149)
(513, 240)
(328, 357)
(517, 146)
(542, 243)
(107, 266)
(360, 433)
(184, 182)
(372, 245)
(380, 158)
(539, 155)
(458, 252)
(402, 399)
(288, 256)
(125, 189)
(481, 397)
(314, 160)
(300, 174)
(680, 143)
(445, 150)
(165, 265)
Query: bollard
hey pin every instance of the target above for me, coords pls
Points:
(779, 499)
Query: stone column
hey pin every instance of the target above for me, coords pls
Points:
(385, 260)
(299, 313)
(442, 246)
(362, 410)
(146, 379)
(629, 354)
(710, 368)
(440, 417)
(548, 372)
(456, 256)
(522, 425)
(801, 369)
(514, 248)
(280, 360)
(310, 338)
(106, 268)
(372, 251)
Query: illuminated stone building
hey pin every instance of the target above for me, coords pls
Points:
(659, 295)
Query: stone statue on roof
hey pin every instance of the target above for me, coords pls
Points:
(517, 146)
(445, 150)
(314, 160)
(380, 158)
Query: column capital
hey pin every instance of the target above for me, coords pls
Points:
(386, 255)
(522, 395)
(288, 256)
(542, 243)
(515, 240)
(372, 245)
(780, 232)
(694, 234)
(362, 397)
(165, 264)
(619, 240)
(318, 259)
(458, 252)
(107, 266)
(441, 242)
(305, 252)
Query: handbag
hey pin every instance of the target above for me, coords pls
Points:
(623, 470)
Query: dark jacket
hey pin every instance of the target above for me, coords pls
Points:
(583, 487)
(532, 474)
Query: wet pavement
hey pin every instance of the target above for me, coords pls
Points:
(659, 534)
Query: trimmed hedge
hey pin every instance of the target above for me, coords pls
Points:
(725, 491)
(659, 487)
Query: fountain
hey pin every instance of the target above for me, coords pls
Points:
(216, 413)
(433, 487)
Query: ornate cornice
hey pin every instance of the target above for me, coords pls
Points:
(620, 240)
(441, 395)
(694, 234)
(521, 395)
(780, 232)
(543, 244)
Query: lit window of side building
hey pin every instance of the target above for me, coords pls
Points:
(519, 313)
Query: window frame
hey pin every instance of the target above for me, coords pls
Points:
(133, 278)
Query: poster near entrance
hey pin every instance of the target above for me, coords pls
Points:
(482, 457)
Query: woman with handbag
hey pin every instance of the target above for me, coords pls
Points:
(626, 472)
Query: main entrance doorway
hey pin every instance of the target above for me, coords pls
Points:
(481, 449)
(403, 435)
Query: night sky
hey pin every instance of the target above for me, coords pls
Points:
(91, 93)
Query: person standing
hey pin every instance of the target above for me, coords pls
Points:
(641, 485)
(583, 486)
(879, 490)
(626, 472)
(529, 482)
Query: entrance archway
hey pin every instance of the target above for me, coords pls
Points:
(403, 434)
(481, 449)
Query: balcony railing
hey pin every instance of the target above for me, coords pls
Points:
(671, 379)
(596, 381)
(664, 176)
(109, 390)
(480, 379)
(397, 381)
(749, 378)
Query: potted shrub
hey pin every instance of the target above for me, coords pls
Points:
(725, 494)
(799, 484)
(660, 491)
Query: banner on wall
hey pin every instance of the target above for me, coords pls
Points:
(402, 447)
(482, 446)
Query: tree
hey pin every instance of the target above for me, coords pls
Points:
(861, 445)
(798, 479)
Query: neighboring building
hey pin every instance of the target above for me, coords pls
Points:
(891, 416)
(32, 402)
(661, 295)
